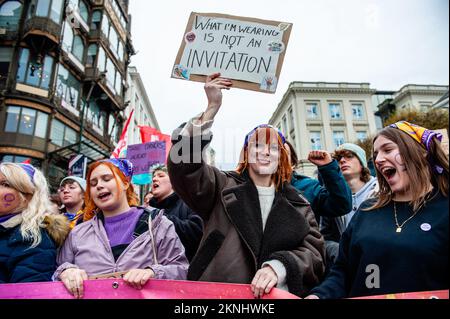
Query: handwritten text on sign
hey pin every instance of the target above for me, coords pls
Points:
(143, 156)
(246, 50)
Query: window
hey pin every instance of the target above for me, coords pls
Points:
(41, 125)
(285, 125)
(425, 106)
(101, 63)
(47, 8)
(338, 138)
(96, 20)
(118, 13)
(91, 54)
(335, 111)
(78, 48)
(316, 140)
(62, 135)
(112, 128)
(291, 119)
(96, 116)
(118, 85)
(115, 44)
(67, 88)
(10, 13)
(84, 11)
(26, 121)
(73, 44)
(12, 118)
(312, 111)
(35, 70)
(361, 135)
(358, 111)
(6, 54)
(105, 25)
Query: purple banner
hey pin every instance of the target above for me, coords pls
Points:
(143, 156)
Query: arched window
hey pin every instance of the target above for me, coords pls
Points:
(91, 54)
(84, 11)
(96, 20)
(78, 48)
(10, 12)
(67, 37)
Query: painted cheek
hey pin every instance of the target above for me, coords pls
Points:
(8, 199)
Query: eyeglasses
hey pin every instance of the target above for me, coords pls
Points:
(347, 156)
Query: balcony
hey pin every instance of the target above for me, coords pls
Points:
(42, 30)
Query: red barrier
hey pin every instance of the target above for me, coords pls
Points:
(154, 289)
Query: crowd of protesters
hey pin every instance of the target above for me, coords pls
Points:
(262, 224)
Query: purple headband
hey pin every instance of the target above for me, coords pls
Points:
(249, 135)
(124, 165)
(29, 169)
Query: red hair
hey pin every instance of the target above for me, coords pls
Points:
(284, 170)
(90, 207)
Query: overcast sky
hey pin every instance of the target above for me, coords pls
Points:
(387, 43)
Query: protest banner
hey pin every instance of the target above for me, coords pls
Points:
(115, 288)
(153, 289)
(143, 156)
(249, 51)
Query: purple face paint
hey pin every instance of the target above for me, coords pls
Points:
(8, 199)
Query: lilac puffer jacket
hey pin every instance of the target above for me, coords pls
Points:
(87, 247)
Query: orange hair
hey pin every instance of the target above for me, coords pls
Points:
(90, 207)
(284, 170)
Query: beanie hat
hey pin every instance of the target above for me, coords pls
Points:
(79, 180)
(359, 152)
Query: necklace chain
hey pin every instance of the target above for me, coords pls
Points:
(399, 227)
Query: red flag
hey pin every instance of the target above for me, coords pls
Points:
(28, 161)
(151, 134)
(122, 145)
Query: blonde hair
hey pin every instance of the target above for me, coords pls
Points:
(34, 198)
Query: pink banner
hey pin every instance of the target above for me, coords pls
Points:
(154, 289)
(440, 294)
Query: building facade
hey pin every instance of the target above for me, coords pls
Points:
(63, 80)
(322, 116)
(140, 103)
(414, 97)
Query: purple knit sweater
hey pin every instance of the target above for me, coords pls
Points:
(120, 228)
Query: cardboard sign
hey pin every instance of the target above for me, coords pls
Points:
(153, 289)
(144, 156)
(249, 51)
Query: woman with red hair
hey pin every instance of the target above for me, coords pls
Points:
(258, 229)
(117, 236)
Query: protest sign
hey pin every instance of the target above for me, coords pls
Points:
(143, 156)
(247, 50)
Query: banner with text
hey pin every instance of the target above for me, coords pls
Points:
(144, 156)
(247, 50)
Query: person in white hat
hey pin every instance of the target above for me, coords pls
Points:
(353, 164)
(71, 192)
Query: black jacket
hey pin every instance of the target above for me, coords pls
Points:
(188, 225)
